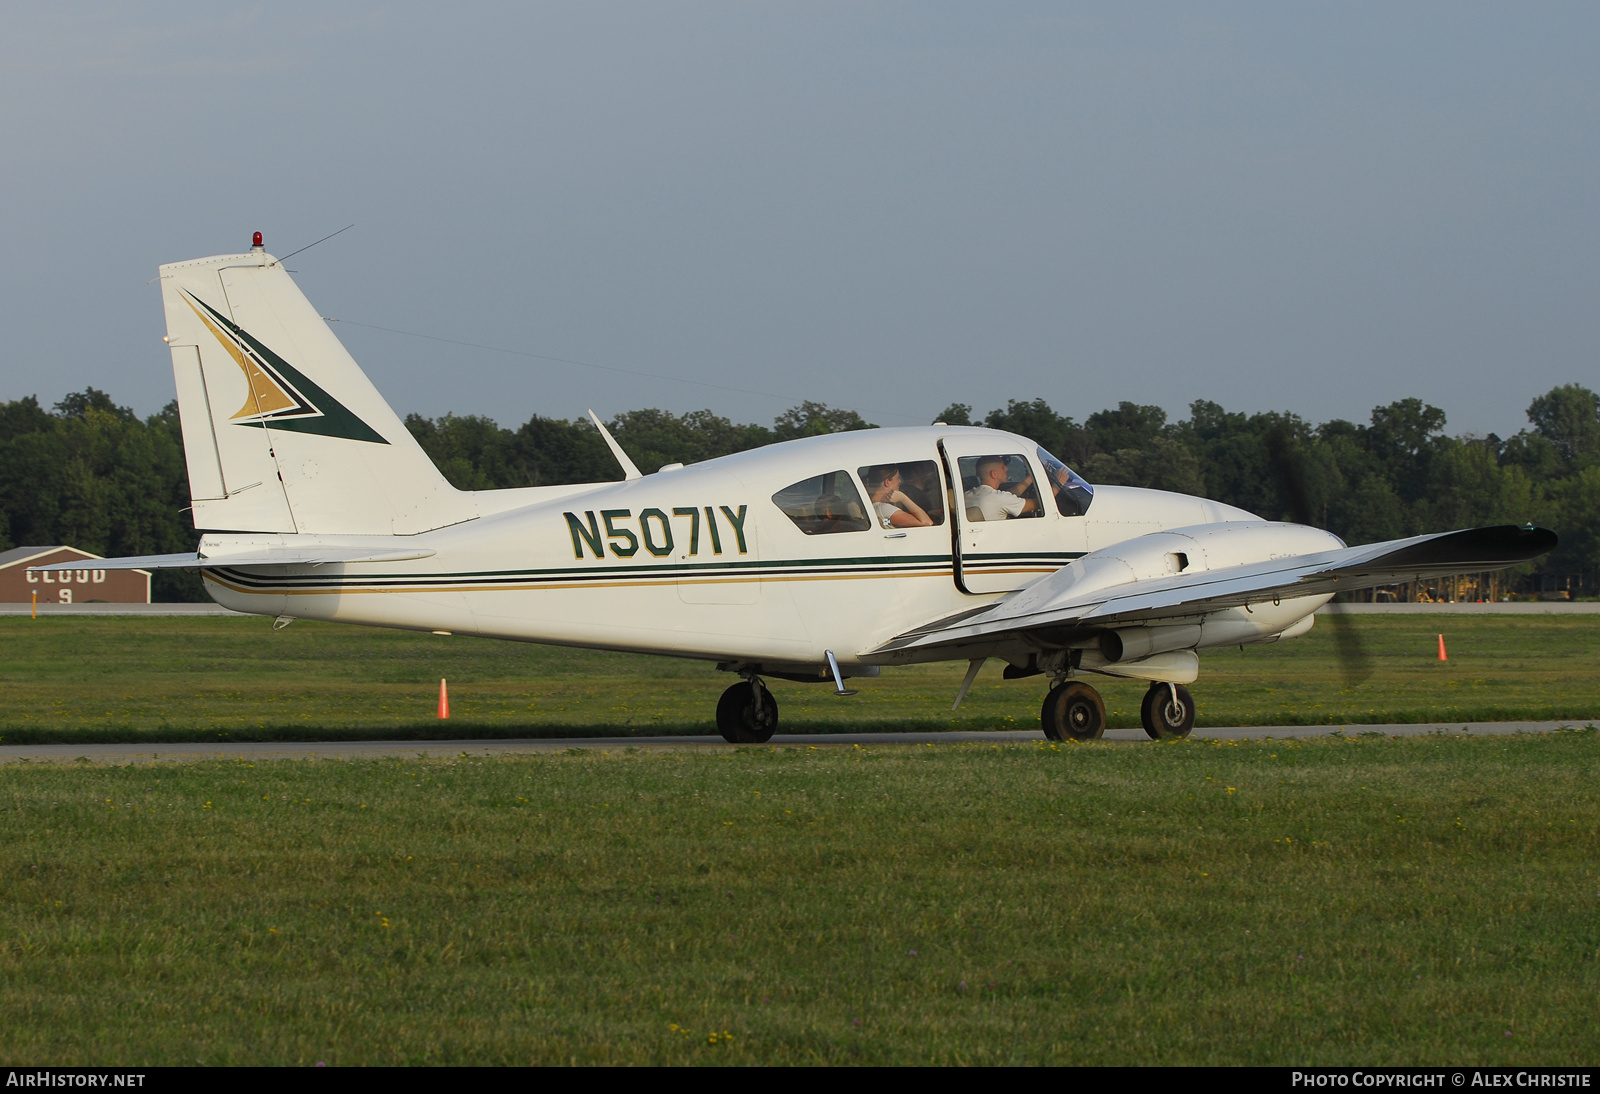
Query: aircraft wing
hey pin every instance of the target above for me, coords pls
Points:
(1056, 602)
(284, 556)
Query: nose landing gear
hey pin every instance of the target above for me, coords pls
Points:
(1167, 712)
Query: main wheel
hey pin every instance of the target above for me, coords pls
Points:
(1073, 711)
(741, 720)
(1167, 712)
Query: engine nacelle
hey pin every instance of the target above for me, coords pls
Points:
(1163, 555)
(1186, 550)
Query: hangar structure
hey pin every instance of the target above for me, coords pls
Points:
(19, 583)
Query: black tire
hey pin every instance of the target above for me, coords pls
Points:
(1073, 711)
(738, 719)
(1161, 720)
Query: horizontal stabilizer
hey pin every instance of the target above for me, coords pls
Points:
(1058, 601)
(288, 556)
(138, 562)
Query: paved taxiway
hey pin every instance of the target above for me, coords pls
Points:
(354, 750)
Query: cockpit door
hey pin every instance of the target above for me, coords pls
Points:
(1006, 532)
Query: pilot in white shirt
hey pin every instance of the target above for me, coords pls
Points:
(993, 502)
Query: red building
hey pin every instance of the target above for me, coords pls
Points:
(88, 585)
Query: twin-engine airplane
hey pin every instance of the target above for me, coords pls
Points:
(812, 560)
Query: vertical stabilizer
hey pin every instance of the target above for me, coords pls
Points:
(282, 430)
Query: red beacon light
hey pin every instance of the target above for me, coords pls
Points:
(255, 240)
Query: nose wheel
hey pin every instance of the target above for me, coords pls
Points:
(1073, 711)
(747, 714)
(1167, 712)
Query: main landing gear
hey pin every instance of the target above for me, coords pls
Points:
(747, 714)
(1074, 711)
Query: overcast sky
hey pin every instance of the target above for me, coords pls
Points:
(885, 207)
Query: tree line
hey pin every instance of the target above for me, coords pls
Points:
(94, 475)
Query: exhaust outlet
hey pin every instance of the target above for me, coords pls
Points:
(1132, 643)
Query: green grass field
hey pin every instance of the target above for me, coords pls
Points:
(167, 679)
(1335, 901)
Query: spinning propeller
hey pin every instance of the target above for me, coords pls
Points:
(1355, 663)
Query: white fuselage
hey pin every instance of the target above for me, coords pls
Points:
(702, 562)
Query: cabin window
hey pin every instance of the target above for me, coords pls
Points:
(1073, 495)
(999, 487)
(905, 495)
(823, 504)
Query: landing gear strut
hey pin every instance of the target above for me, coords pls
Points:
(1167, 712)
(747, 714)
(1073, 711)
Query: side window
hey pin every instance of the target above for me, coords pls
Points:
(823, 504)
(905, 495)
(1073, 495)
(998, 487)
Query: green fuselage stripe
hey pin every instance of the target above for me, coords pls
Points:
(745, 570)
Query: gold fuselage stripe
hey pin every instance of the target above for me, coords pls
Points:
(413, 590)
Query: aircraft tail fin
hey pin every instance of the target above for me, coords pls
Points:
(282, 431)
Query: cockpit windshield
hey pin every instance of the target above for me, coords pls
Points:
(1073, 495)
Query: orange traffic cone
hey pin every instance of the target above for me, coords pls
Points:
(444, 699)
(1442, 656)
